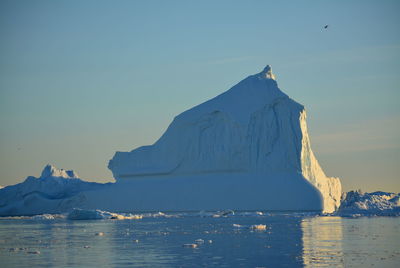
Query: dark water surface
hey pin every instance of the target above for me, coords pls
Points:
(290, 240)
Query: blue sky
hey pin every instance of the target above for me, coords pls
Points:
(80, 80)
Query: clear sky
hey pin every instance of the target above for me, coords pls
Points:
(80, 80)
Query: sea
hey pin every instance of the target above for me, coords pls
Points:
(193, 239)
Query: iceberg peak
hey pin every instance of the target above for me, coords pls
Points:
(52, 171)
(267, 73)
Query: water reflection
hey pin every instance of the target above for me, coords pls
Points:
(139, 244)
(154, 242)
(160, 242)
(322, 241)
(351, 242)
(291, 240)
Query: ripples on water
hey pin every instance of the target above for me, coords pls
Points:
(290, 240)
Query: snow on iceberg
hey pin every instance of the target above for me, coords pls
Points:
(369, 204)
(55, 191)
(247, 148)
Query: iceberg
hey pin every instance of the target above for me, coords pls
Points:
(245, 149)
(55, 191)
(370, 204)
(248, 148)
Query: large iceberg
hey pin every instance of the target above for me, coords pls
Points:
(247, 148)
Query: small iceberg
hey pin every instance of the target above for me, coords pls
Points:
(199, 241)
(356, 203)
(224, 213)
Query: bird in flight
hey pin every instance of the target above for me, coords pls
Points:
(326, 26)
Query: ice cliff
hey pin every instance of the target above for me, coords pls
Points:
(247, 148)
(55, 191)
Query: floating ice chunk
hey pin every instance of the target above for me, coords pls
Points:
(84, 214)
(190, 245)
(223, 213)
(43, 217)
(115, 216)
(237, 225)
(259, 227)
(159, 214)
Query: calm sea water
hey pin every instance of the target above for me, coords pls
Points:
(290, 240)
